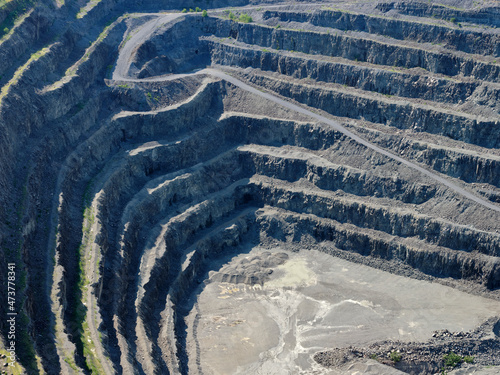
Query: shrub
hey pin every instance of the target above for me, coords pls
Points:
(191, 10)
(395, 356)
(197, 10)
(6, 30)
(232, 16)
(245, 18)
(204, 13)
(451, 359)
(184, 10)
(468, 359)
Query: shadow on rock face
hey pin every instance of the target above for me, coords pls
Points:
(496, 328)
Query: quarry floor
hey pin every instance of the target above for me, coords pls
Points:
(314, 302)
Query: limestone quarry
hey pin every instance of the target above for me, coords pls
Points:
(250, 187)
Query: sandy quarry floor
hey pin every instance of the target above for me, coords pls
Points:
(314, 302)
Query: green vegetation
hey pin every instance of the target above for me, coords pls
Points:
(452, 360)
(20, 71)
(197, 10)
(87, 8)
(184, 10)
(242, 18)
(3, 2)
(468, 359)
(17, 13)
(16, 369)
(71, 364)
(245, 18)
(395, 357)
(86, 345)
(204, 13)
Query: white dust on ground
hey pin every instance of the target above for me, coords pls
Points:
(314, 302)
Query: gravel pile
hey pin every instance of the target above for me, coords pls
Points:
(481, 346)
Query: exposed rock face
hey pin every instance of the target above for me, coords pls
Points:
(119, 196)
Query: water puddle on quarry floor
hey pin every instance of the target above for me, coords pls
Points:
(313, 302)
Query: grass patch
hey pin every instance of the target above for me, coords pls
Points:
(15, 17)
(71, 364)
(86, 344)
(17, 369)
(4, 2)
(20, 71)
(87, 8)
